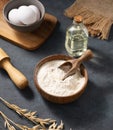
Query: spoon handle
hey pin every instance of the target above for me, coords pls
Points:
(86, 56)
(76, 63)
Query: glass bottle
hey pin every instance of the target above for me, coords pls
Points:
(76, 38)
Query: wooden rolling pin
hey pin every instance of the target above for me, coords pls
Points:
(17, 77)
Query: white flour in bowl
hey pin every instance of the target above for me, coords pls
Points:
(50, 79)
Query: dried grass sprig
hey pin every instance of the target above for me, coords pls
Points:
(9, 124)
(29, 115)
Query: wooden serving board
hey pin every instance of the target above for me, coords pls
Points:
(29, 41)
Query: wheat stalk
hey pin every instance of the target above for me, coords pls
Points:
(33, 118)
(8, 125)
(28, 114)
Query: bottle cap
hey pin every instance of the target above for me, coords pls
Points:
(78, 19)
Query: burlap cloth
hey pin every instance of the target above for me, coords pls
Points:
(97, 15)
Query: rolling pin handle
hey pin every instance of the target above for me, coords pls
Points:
(17, 77)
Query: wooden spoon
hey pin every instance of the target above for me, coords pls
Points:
(70, 66)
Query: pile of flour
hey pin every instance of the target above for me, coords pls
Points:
(50, 79)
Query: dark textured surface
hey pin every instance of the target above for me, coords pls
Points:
(93, 110)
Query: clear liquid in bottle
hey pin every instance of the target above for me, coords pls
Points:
(76, 38)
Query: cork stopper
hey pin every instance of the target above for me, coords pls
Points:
(78, 19)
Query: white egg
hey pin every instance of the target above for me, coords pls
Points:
(22, 7)
(13, 17)
(26, 15)
(36, 10)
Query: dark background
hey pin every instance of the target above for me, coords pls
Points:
(93, 110)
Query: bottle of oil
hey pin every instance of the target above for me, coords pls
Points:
(76, 38)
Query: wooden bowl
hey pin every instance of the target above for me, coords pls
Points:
(54, 98)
